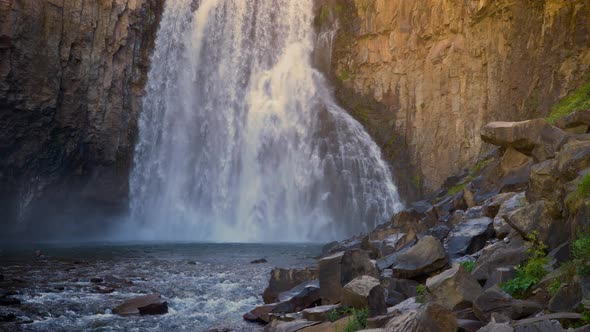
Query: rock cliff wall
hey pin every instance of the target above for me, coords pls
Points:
(71, 78)
(424, 76)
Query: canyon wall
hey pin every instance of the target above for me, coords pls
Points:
(424, 76)
(71, 78)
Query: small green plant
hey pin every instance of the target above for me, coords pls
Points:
(344, 74)
(575, 101)
(583, 191)
(581, 254)
(468, 265)
(554, 286)
(457, 188)
(421, 292)
(416, 181)
(333, 315)
(357, 321)
(532, 271)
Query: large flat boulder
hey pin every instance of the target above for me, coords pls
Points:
(151, 304)
(425, 257)
(365, 292)
(535, 137)
(470, 236)
(452, 287)
(285, 279)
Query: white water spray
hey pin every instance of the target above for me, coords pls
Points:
(239, 137)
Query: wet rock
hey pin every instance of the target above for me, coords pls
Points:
(535, 137)
(104, 289)
(385, 263)
(329, 270)
(96, 280)
(396, 242)
(423, 258)
(320, 313)
(365, 292)
(260, 314)
(452, 287)
(147, 303)
(301, 297)
(470, 236)
(285, 279)
(9, 301)
(191, 263)
(259, 261)
(432, 317)
(499, 254)
(116, 280)
(497, 303)
(39, 255)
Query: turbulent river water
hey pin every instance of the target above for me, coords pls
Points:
(206, 285)
(240, 138)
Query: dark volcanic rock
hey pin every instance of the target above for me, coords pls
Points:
(154, 309)
(96, 280)
(285, 279)
(148, 303)
(425, 257)
(259, 261)
(470, 236)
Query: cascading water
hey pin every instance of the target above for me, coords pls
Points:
(240, 139)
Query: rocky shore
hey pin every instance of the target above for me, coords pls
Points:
(502, 247)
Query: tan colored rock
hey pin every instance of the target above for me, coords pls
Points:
(452, 287)
(365, 292)
(432, 73)
(432, 317)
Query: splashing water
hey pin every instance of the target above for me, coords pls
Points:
(240, 138)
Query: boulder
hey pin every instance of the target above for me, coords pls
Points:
(510, 205)
(494, 302)
(396, 242)
(388, 261)
(497, 327)
(320, 313)
(354, 263)
(439, 231)
(292, 326)
(573, 157)
(567, 298)
(259, 261)
(574, 119)
(398, 289)
(330, 276)
(432, 317)
(499, 276)
(301, 297)
(151, 304)
(544, 184)
(492, 205)
(425, 257)
(452, 287)
(537, 217)
(536, 138)
(285, 279)
(499, 254)
(365, 292)
(260, 314)
(540, 326)
(338, 325)
(470, 236)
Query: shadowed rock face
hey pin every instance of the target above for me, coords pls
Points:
(424, 76)
(71, 78)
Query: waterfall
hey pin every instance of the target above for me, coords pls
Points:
(241, 140)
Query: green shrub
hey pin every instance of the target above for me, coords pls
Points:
(333, 315)
(581, 254)
(554, 286)
(357, 321)
(575, 101)
(532, 271)
(468, 265)
(421, 291)
(583, 191)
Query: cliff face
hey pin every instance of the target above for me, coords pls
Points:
(71, 78)
(424, 76)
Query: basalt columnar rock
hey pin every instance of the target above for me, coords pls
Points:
(425, 76)
(71, 80)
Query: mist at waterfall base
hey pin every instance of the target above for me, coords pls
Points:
(240, 139)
